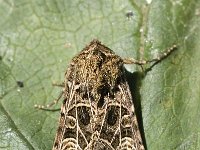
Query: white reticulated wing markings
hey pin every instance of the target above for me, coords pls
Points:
(97, 111)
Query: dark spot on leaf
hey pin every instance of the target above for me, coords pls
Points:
(20, 84)
(129, 14)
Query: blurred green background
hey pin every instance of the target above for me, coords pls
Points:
(38, 38)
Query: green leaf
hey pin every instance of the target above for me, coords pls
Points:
(39, 38)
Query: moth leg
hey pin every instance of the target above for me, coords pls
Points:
(155, 60)
(50, 104)
(59, 84)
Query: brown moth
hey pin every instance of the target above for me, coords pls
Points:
(97, 111)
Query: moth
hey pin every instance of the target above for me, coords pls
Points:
(98, 111)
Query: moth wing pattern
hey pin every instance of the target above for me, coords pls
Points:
(97, 112)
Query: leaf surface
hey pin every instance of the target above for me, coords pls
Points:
(39, 38)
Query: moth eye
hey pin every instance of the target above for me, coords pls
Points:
(126, 121)
(70, 122)
(83, 115)
(112, 116)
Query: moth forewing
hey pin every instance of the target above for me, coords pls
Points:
(97, 111)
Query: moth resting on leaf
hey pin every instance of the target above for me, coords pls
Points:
(98, 111)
